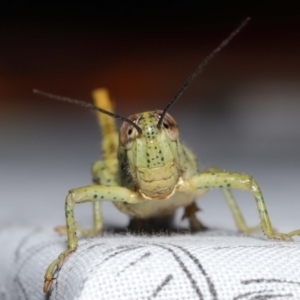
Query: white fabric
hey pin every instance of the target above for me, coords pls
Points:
(211, 265)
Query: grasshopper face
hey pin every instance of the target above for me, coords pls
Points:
(151, 158)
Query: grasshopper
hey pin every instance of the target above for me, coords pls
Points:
(147, 171)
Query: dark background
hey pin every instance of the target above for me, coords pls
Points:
(142, 50)
(242, 113)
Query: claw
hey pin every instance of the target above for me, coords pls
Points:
(47, 284)
(281, 237)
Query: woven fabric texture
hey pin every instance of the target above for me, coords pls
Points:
(210, 265)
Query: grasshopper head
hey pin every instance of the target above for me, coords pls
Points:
(149, 145)
(151, 156)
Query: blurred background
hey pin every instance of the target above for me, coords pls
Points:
(242, 113)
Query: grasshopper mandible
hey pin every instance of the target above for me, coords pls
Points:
(146, 171)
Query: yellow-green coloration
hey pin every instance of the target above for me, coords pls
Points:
(152, 174)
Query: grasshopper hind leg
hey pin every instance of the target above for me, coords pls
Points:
(190, 214)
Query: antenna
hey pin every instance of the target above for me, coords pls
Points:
(201, 67)
(90, 106)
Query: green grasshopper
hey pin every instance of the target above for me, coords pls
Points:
(147, 172)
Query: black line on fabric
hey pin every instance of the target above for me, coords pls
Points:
(147, 254)
(125, 246)
(272, 246)
(56, 276)
(270, 296)
(245, 295)
(91, 246)
(209, 281)
(54, 281)
(99, 264)
(119, 252)
(161, 286)
(48, 295)
(184, 269)
(269, 280)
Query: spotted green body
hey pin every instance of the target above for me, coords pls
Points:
(155, 164)
(151, 173)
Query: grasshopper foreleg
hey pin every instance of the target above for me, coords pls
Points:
(94, 194)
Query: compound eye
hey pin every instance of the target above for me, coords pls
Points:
(128, 133)
(169, 125)
(166, 125)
